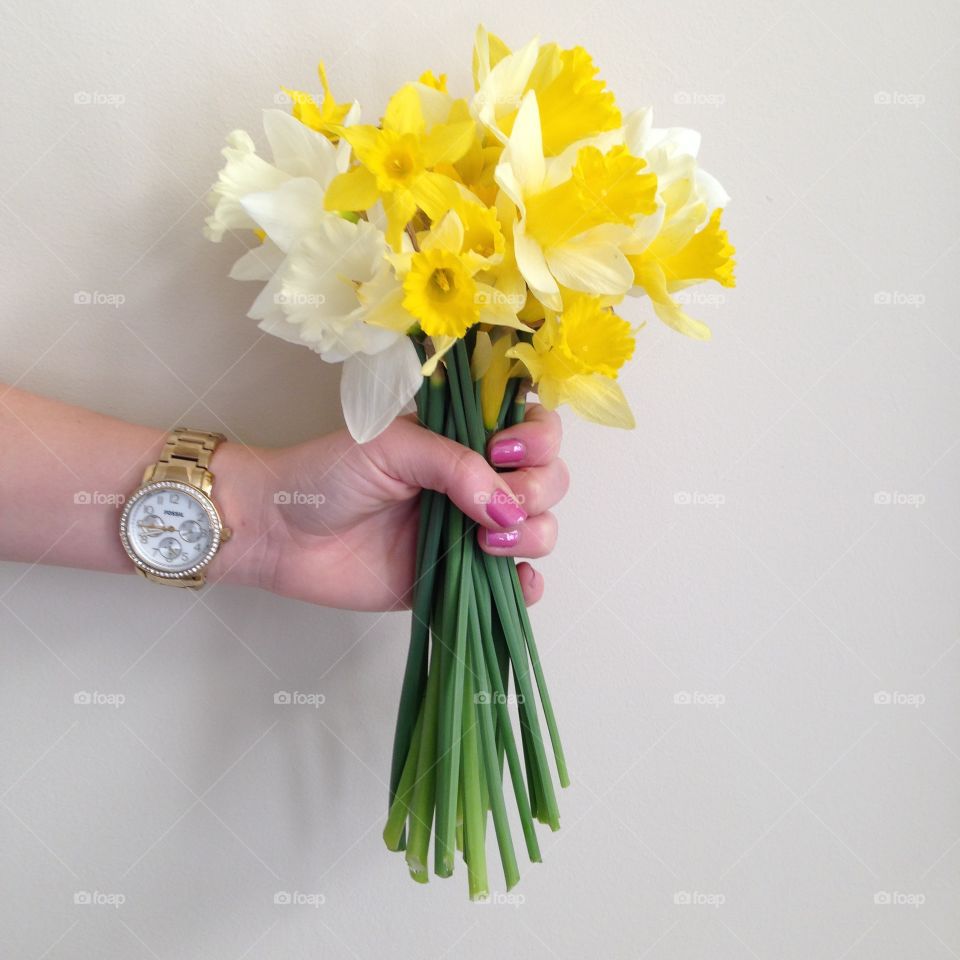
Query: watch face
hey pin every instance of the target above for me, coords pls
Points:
(170, 529)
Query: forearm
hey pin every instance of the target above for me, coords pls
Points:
(65, 472)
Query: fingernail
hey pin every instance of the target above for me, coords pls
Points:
(504, 452)
(501, 538)
(504, 511)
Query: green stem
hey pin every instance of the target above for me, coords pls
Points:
(472, 802)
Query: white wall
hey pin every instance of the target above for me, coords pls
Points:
(796, 599)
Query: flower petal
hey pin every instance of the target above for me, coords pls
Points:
(524, 150)
(258, 263)
(590, 267)
(533, 266)
(374, 389)
(599, 399)
(297, 149)
(354, 190)
(289, 212)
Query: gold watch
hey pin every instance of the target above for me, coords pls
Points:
(170, 527)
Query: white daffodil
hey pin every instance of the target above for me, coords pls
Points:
(574, 211)
(297, 151)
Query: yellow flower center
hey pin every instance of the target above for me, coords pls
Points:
(590, 339)
(440, 292)
(603, 188)
(395, 160)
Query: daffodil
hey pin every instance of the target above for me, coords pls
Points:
(575, 357)
(396, 164)
(445, 289)
(573, 210)
(685, 244)
(327, 117)
(298, 152)
(574, 104)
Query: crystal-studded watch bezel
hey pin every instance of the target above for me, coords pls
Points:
(216, 528)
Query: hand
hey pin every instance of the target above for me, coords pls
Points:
(339, 521)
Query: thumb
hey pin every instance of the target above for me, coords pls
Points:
(419, 457)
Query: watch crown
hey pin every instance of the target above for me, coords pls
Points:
(225, 534)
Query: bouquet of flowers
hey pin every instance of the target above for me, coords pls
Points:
(454, 256)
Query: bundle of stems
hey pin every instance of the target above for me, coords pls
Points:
(470, 638)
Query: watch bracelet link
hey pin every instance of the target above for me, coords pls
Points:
(185, 458)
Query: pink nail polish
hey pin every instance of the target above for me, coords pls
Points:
(501, 538)
(505, 452)
(504, 511)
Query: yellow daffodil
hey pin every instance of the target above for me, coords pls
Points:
(686, 244)
(575, 357)
(574, 211)
(574, 104)
(444, 285)
(396, 164)
(325, 118)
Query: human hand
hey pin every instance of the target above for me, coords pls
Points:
(335, 522)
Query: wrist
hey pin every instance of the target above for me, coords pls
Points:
(241, 492)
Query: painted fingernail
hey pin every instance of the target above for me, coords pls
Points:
(504, 511)
(501, 538)
(505, 452)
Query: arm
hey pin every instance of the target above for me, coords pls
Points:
(348, 539)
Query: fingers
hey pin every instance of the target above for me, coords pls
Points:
(538, 489)
(533, 443)
(531, 582)
(535, 538)
(412, 455)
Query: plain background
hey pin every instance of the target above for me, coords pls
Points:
(751, 623)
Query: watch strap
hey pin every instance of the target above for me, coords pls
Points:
(185, 458)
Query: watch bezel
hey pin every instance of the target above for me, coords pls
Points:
(216, 528)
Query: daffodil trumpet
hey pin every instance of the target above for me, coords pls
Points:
(455, 255)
